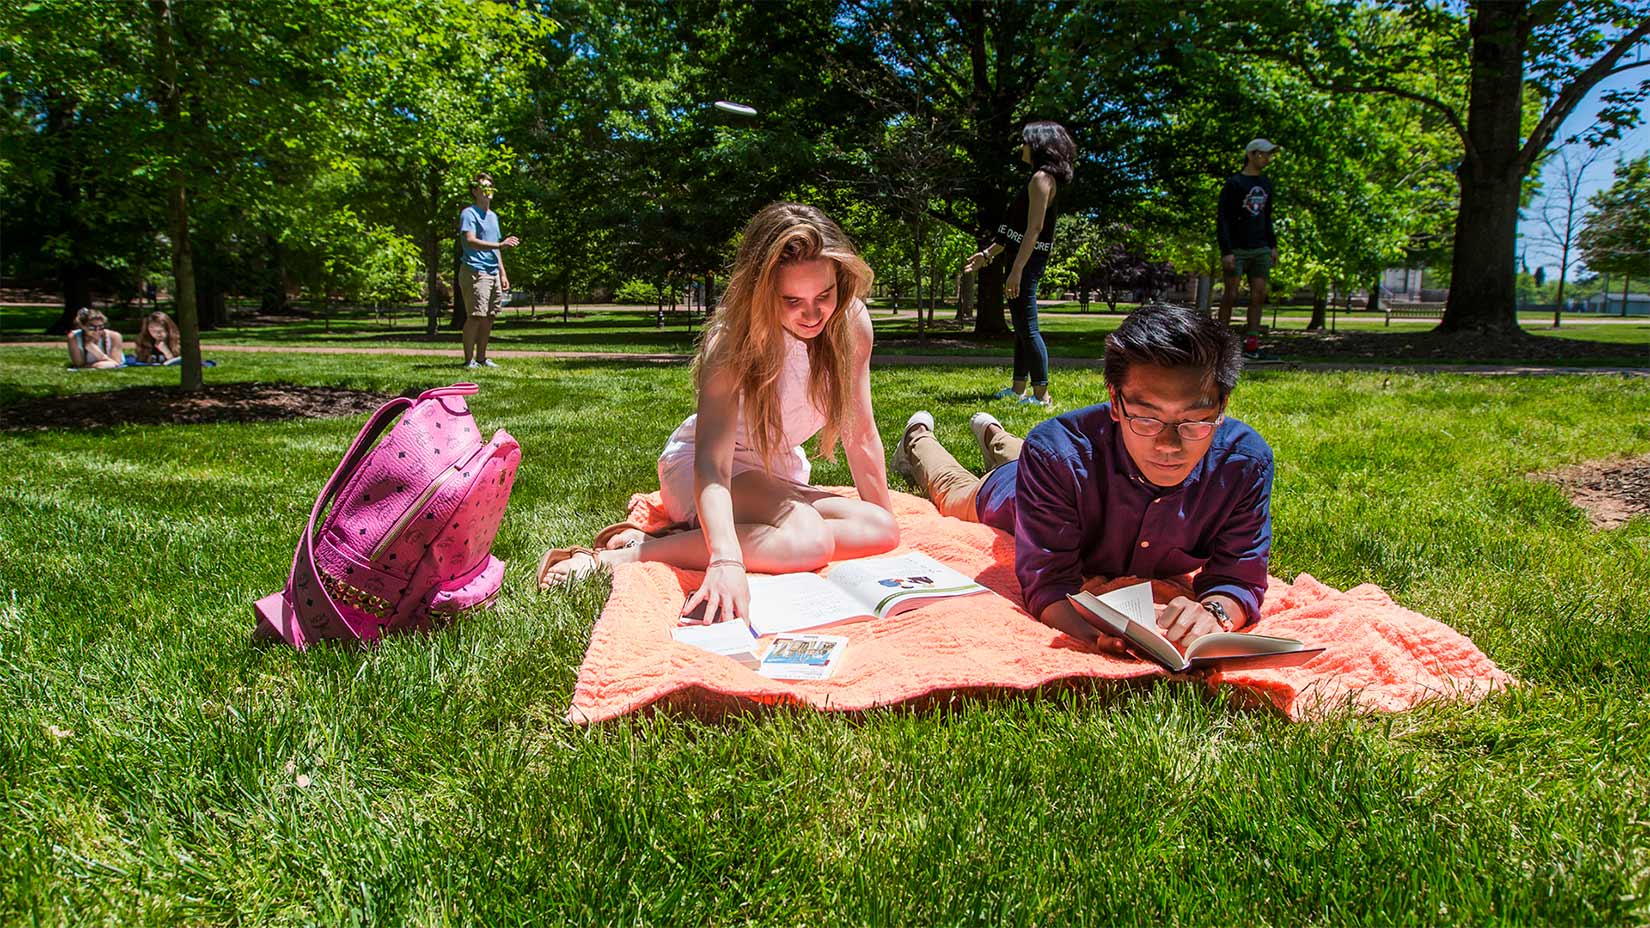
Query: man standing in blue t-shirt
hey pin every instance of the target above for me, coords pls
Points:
(1154, 484)
(482, 279)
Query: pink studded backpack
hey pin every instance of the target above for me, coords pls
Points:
(407, 534)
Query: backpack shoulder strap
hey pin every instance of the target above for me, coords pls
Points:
(312, 604)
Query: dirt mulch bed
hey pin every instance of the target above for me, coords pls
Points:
(230, 402)
(1610, 492)
(1428, 346)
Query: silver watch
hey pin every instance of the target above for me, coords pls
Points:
(1219, 612)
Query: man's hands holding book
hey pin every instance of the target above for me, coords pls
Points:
(1061, 615)
(1182, 620)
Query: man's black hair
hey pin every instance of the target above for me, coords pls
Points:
(1175, 337)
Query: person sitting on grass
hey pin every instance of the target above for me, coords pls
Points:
(1155, 483)
(93, 345)
(157, 341)
(786, 357)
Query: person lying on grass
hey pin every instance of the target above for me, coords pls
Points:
(93, 345)
(786, 357)
(1155, 483)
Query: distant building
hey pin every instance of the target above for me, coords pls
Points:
(1402, 284)
(1638, 304)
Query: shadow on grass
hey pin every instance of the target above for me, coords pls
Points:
(707, 707)
(214, 403)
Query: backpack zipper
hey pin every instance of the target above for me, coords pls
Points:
(413, 510)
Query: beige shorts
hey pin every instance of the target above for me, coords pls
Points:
(678, 482)
(480, 290)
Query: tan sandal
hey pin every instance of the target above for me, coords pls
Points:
(613, 531)
(556, 556)
(619, 528)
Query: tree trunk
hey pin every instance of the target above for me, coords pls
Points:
(273, 298)
(183, 288)
(965, 298)
(460, 308)
(1320, 307)
(432, 282)
(177, 198)
(75, 280)
(74, 273)
(934, 283)
(990, 318)
(1626, 287)
(1373, 304)
(211, 300)
(1563, 271)
(1483, 290)
(710, 295)
(211, 305)
(916, 277)
(566, 311)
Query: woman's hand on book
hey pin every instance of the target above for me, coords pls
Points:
(726, 594)
(1184, 620)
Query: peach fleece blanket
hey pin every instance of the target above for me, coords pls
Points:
(1379, 657)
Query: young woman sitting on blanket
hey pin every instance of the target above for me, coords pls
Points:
(786, 357)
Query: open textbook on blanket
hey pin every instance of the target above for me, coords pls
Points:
(867, 588)
(1129, 613)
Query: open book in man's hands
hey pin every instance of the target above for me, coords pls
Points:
(866, 588)
(1129, 614)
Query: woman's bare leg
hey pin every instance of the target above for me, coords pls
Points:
(779, 527)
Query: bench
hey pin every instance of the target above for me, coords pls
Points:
(1413, 311)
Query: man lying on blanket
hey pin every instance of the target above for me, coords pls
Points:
(1153, 484)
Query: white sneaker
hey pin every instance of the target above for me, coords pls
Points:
(1030, 399)
(471, 364)
(488, 363)
(902, 452)
(978, 424)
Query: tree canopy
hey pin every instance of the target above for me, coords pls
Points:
(279, 148)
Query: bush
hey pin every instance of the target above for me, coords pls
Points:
(635, 293)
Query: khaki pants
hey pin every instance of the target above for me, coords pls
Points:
(950, 486)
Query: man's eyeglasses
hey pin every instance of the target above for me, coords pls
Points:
(1190, 430)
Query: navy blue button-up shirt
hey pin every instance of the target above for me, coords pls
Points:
(1079, 507)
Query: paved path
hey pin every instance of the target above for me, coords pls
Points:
(893, 360)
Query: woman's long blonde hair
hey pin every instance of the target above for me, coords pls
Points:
(746, 340)
(146, 342)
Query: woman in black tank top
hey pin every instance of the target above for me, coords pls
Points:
(1028, 229)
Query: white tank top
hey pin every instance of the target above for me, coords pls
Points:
(800, 417)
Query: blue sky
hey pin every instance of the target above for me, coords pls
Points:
(1630, 145)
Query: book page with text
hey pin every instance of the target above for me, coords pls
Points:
(881, 585)
(791, 602)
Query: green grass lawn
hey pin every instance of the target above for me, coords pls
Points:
(1068, 333)
(150, 756)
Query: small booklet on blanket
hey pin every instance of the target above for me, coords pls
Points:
(788, 657)
(868, 588)
(729, 639)
(1129, 614)
(803, 657)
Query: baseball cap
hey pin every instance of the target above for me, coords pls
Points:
(1259, 145)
